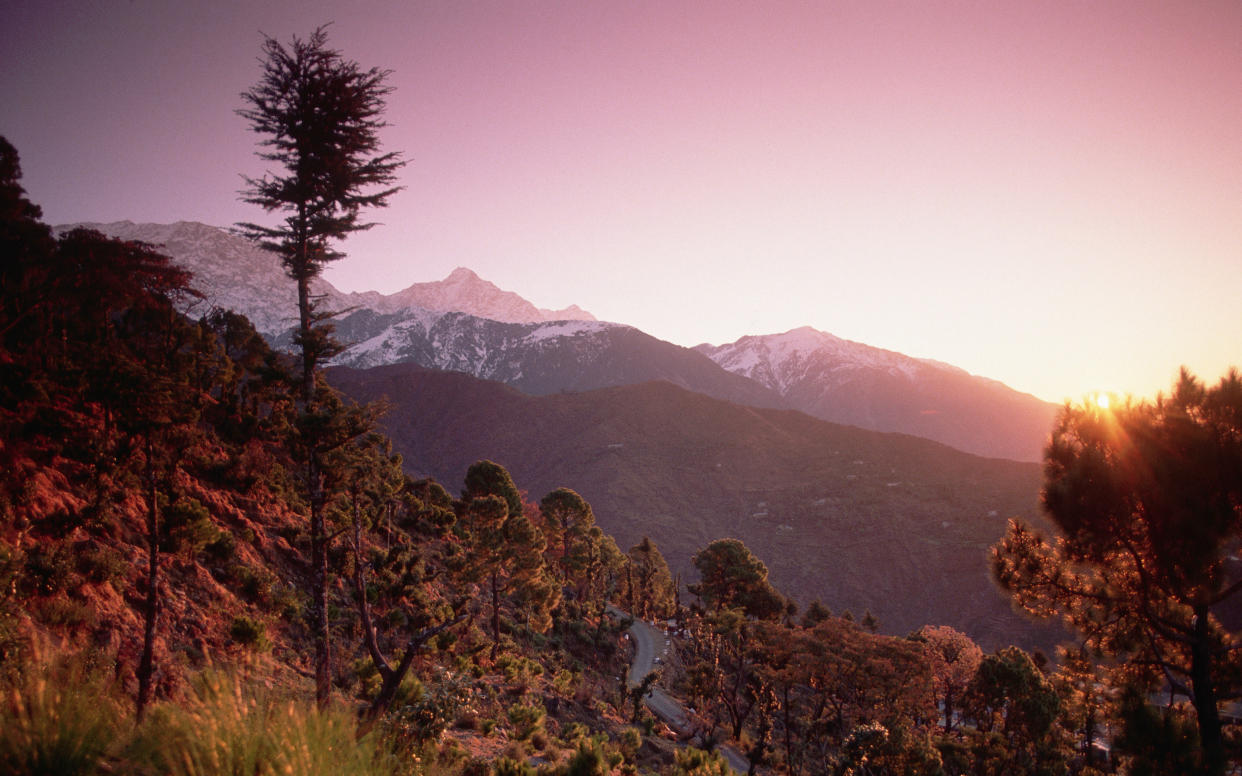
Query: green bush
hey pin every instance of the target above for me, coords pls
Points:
(249, 632)
(66, 612)
(526, 720)
(505, 766)
(187, 527)
(102, 564)
(223, 549)
(47, 570)
(588, 760)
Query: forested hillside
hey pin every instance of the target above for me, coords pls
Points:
(215, 561)
(863, 521)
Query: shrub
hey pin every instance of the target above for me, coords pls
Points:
(588, 760)
(47, 570)
(505, 766)
(223, 548)
(102, 564)
(249, 632)
(630, 742)
(66, 612)
(526, 720)
(475, 766)
(188, 527)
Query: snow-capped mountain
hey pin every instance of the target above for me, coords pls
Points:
(848, 382)
(464, 291)
(462, 323)
(537, 358)
(465, 323)
(234, 273)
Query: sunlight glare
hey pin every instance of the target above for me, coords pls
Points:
(1101, 400)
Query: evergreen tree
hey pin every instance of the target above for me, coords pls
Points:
(569, 517)
(504, 548)
(954, 659)
(320, 116)
(1148, 497)
(650, 585)
(732, 577)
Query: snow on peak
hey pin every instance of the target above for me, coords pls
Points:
(781, 361)
(464, 291)
(235, 273)
(462, 275)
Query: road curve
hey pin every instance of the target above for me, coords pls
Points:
(650, 646)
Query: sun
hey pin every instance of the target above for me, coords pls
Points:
(1101, 401)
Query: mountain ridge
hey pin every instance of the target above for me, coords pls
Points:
(842, 381)
(464, 323)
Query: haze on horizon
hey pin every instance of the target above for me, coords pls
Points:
(1047, 195)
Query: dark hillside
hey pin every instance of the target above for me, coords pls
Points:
(863, 520)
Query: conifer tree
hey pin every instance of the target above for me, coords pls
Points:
(573, 536)
(650, 583)
(1148, 498)
(504, 547)
(320, 116)
(732, 577)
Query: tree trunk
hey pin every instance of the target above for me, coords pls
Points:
(495, 617)
(146, 664)
(1204, 700)
(319, 590)
(314, 485)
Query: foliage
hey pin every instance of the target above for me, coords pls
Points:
(731, 577)
(697, 762)
(649, 584)
(320, 116)
(249, 632)
(224, 728)
(1148, 498)
(954, 658)
(504, 549)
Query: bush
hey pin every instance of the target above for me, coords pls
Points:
(47, 570)
(526, 720)
(223, 549)
(505, 766)
(102, 564)
(188, 527)
(588, 760)
(249, 632)
(66, 612)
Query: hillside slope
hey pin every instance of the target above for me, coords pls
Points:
(862, 520)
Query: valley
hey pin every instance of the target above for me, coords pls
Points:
(864, 521)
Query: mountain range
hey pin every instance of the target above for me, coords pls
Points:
(686, 445)
(464, 323)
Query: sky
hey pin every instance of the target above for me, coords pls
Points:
(1044, 193)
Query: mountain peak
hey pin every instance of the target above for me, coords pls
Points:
(462, 275)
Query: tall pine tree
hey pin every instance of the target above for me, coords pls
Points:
(320, 116)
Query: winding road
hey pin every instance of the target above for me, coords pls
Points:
(650, 646)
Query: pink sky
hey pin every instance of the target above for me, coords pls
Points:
(1045, 193)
